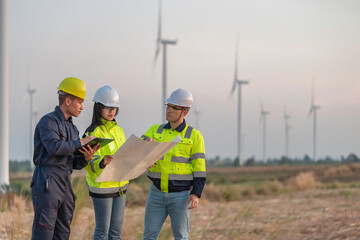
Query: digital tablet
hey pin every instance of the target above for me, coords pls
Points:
(94, 141)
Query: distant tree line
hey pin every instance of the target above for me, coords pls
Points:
(306, 160)
(20, 166)
(24, 166)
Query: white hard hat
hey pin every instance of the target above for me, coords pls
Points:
(181, 97)
(107, 96)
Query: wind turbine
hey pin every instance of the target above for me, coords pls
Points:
(31, 93)
(263, 115)
(164, 42)
(238, 83)
(313, 110)
(4, 95)
(287, 129)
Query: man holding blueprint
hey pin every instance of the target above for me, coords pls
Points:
(179, 176)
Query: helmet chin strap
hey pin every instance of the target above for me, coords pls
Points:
(180, 114)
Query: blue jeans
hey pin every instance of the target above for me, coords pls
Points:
(109, 214)
(159, 205)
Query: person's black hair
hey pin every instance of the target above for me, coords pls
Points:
(63, 96)
(96, 118)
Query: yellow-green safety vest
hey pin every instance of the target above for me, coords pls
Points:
(184, 162)
(110, 129)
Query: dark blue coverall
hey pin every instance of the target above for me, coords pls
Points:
(55, 140)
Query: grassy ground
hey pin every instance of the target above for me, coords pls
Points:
(289, 202)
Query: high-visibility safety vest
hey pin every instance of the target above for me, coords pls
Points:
(110, 129)
(183, 167)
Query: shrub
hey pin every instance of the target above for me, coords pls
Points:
(304, 180)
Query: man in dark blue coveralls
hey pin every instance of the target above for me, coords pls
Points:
(56, 138)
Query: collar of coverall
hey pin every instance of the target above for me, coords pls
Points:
(61, 115)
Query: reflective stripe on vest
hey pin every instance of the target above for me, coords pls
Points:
(107, 190)
(187, 160)
(187, 177)
(160, 129)
(157, 175)
(188, 132)
(154, 175)
(180, 159)
(197, 155)
(200, 174)
(95, 157)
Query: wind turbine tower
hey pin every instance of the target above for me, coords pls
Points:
(162, 42)
(4, 96)
(287, 129)
(263, 115)
(31, 93)
(238, 83)
(197, 114)
(313, 110)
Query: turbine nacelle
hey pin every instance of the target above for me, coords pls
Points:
(264, 113)
(168, 42)
(242, 81)
(29, 90)
(314, 108)
(239, 82)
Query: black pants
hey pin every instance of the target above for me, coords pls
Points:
(54, 204)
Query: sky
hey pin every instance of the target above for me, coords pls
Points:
(285, 47)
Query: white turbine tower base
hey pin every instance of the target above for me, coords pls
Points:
(313, 110)
(238, 83)
(4, 95)
(263, 115)
(164, 42)
(287, 129)
(31, 133)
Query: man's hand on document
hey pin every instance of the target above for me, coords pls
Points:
(107, 159)
(152, 165)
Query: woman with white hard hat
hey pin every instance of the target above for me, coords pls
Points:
(108, 197)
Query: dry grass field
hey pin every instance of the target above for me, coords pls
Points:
(291, 202)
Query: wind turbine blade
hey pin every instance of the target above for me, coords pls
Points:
(233, 88)
(312, 99)
(311, 110)
(235, 67)
(157, 51)
(158, 40)
(236, 58)
(159, 22)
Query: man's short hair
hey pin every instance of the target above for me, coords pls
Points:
(63, 95)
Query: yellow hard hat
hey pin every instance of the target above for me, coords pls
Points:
(73, 86)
